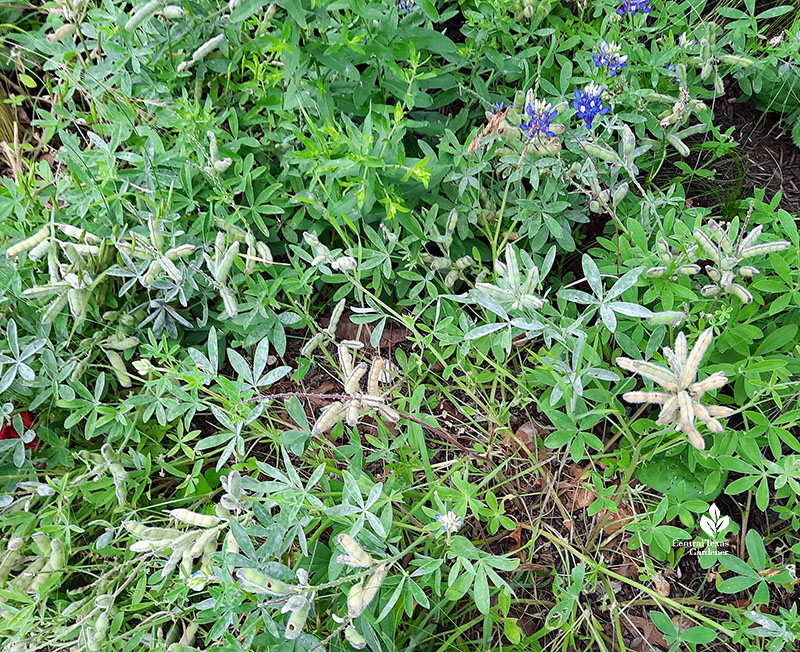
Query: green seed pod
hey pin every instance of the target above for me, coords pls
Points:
(230, 543)
(620, 192)
(464, 262)
(181, 251)
(678, 144)
(607, 155)
(229, 302)
(688, 270)
(123, 344)
(223, 266)
(28, 243)
(39, 251)
(54, 309)
(172, 12)
(254, 581)
(207, 537)
(222, 165)
(38, 291)
(766, 248)
(204, 50)
(135, 528)
(747, 271)
(628, 143)
(24, 579)
(57, 555)
(264, 251)
(104, 601)
(78, 234)
(158, 533)
(118, 366)
(296, 622)
(595, 207)
(667, 317)
(156, 239)
(13, 552)
(710, 290)
(733, 60)
(336, 315)
(194, 518)
(61, 33)
(738, 291)
(312, 344)
(354, 638)
(42, 542)
(660, 98)
(143, 13)
(152, 272)
(101, 625)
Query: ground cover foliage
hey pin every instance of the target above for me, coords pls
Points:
(419, 326)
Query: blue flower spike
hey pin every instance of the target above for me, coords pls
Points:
(673, 68)
(632, 6)
(405, 5)
(540, 113)
(684, 41)
(589, 103)
(610, 56)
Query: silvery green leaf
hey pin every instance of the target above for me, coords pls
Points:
(601, 374)
(625, 282)
(608, 317)
(512, 267)
(577, 296)
(629, 309)
(481, 331)
(592, 275)
(489, 302)
(260, 357)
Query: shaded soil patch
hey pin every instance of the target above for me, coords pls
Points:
(766, 158)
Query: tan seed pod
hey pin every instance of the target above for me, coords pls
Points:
(374, 375)
(668, 412)
(345, 360)
(647, 397)
(194, 518)
(685, 408)
(651, 371)
(694, 358)
(207, 537)
(329, 417)
(356, 555)
(352, 413)
(351, 385)
(61, 33)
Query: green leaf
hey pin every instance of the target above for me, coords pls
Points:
(756, 550)
(481, 591)
(699, 634)
(661, 621)
(736, 584)
(592, 275)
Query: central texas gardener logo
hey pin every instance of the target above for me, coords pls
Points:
(714, 522)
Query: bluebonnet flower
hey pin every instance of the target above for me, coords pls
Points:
(450, 522)
(405, 5)
(540, 113)
(684, 42)
(589, 103)
(610, 56)
(632, 6)
(673, 68)
(497, 107)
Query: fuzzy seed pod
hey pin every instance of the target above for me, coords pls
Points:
(28, 243)
(118, 366)
(159, 533)
(172, 12)
(356, 556)
(256, 582)
(202, 541)
(667, 317)
(360, 594)
(61, 33)
(747, 271)
(312, 344)
(181, 251)
(135, 528)
(300, 607)
(39, 251)
(733, 60)
(57, 555)
(620, 193)
(354, 638)
(766, 248)
(193, 518)
(607, 155)
(329, 417)
(42, 542)
(223, 265)
(229, 302)
(336, 315)
(352, 413)
(374, 375)
(142, 14)
(678, 144)
(739, 291)
(353, 380)
(651, 371)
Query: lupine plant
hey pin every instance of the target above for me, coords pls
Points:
(314, 316)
